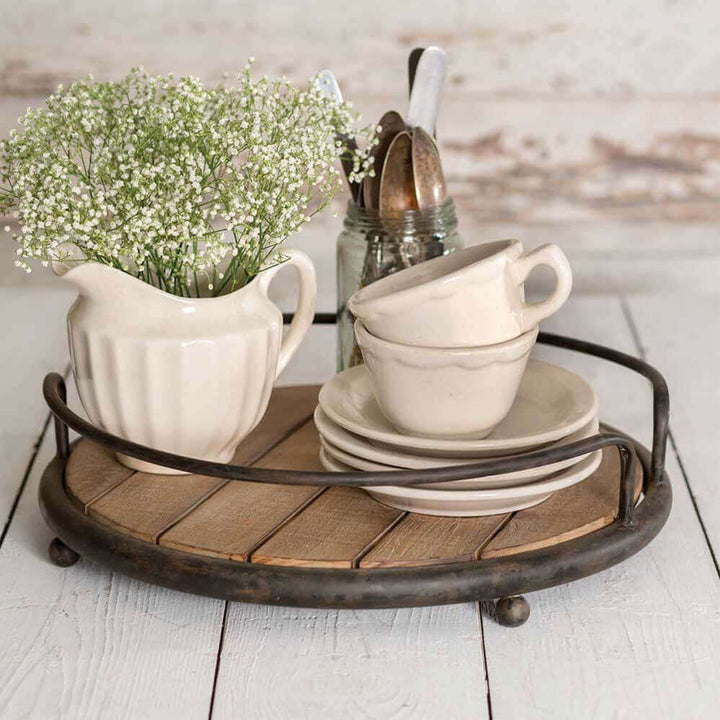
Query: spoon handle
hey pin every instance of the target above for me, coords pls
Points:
(327, 83)
(427, 90)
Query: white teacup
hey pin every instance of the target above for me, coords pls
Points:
(469, 298)
(445, 392)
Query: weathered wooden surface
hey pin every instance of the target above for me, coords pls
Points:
(84, 483)
(303, 664)
(577, 511)
(25, 356)
(146, 505)
(237, 519)
(332, 532)
(682, 339)
(424, 540)
(567, 123)
(552, 112)
(511, 50)
(316, 527)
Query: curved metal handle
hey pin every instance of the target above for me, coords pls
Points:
(54, 392)
(661, 395)
(54, 387)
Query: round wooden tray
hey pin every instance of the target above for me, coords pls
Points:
(272, 528)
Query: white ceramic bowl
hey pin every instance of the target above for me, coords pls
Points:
(468, 298)
(445, 392)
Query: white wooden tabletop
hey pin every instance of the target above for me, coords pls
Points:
(640, 640)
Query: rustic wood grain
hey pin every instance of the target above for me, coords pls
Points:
(585, 651)
(529, 88)
(298, 451)
(92, 471)
(145, 505)
(289, 407)
(236, 519)
(306, 526)
(334, 531)
(523, 161)
(543, 52)
(33, 343)
(427, 540)
(568, 514)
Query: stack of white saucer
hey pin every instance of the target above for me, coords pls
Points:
(447, 380)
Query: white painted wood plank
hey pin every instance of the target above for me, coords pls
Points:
(540, 160)
(548, 161)
(608, 256)
(511, 48)
(402, 664)
(34, 343)
(681, 335)
(82, 642)
(617, 257)
(640, 640)
(15, 451)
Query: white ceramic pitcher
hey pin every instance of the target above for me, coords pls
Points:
(187, 376)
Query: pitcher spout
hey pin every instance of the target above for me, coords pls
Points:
(90, 278)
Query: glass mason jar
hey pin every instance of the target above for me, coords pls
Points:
(372, 246)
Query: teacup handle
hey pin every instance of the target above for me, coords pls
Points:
(552, 256)
(305, 312)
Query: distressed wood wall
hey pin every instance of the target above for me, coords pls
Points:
(584, 119)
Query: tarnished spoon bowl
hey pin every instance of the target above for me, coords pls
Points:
(392, 124)
(428, 177)
(397, 190)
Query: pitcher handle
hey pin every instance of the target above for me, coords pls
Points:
(306, 304)
(553, 257)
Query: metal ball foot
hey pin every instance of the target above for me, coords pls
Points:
(512, 611)
(61, 554)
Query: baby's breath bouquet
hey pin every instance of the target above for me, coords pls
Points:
(190, 189)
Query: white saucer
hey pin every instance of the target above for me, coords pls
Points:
(519, 477)
(364, 455)
(470, 503)
(551, 403)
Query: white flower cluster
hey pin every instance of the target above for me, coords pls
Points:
(183, 186)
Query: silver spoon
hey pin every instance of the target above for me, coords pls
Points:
(397, 191)
(328, 84)
(392, 124)
(427, 89)
(428, 177)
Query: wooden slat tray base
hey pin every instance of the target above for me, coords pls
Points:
(315, 527)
